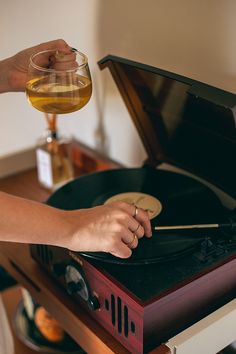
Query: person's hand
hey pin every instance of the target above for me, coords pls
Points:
(114, 228)
(13, 70)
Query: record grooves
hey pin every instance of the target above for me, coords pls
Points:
(183, 199)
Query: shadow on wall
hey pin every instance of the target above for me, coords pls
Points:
(186, 37)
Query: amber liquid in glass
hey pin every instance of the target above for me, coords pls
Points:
(61, 97)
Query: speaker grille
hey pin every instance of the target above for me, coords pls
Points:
(44, 254)
(119, 315)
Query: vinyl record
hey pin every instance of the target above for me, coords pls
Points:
(179, 200)
(28, 333)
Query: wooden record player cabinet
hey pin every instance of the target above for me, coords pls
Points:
(15, 258)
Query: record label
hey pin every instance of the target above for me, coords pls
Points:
(142, 200)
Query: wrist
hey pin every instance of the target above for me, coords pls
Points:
(68, 229)
(4, 76)
(12, 77)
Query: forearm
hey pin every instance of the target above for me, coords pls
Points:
(26, 221)
(113, 228)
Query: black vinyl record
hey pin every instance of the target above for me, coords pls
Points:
(184, 200)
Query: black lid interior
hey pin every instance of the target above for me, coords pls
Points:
(180, 121)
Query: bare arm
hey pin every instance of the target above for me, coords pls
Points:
(113, 228)
(26, 221)
(107, 228)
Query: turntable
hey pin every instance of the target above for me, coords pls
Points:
(187, 269)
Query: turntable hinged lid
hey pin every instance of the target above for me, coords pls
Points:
(181, 121)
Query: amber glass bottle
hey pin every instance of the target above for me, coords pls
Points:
(54, 164)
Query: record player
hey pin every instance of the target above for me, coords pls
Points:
(187, 184)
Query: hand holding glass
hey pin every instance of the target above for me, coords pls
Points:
(58, 82)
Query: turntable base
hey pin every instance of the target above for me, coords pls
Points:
(17, 261)
(94, 339)
(171, 281)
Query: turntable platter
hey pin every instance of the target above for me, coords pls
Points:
(182, 200)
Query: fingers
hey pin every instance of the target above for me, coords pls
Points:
(63, 61)
(138, 225)
(134, 242)
(58, 55)
(130, 239)
(58, 44)
(142, 217)
(114, 228)
(139, 230)
(122, 251)
(59, 61)
(138, 214)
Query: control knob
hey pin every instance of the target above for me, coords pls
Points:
(76, 284)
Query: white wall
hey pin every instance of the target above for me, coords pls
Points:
(189, 37)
